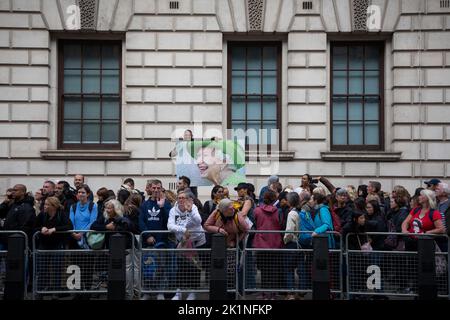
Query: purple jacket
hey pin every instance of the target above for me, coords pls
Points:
(266, 218)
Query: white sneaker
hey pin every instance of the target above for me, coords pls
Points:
(177, 295)
(160, 296)
(145, 297)
(191, 296)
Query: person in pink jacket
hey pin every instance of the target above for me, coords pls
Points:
(268, 262)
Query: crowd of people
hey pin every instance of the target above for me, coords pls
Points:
(295, 214)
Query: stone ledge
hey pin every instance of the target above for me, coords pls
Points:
(274, 155)
(379, 156)
(85, 155)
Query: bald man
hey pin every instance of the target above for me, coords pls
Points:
(21, 215)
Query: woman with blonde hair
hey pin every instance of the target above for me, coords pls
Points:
(423, 219)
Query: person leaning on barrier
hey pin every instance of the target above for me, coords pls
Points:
(376, 223)
(53, 219)
(186, 223)
(225, 220)
(423, 219)
(357, 227)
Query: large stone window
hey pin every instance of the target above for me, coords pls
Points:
(357, 96)
(254, 93)
(89, 94)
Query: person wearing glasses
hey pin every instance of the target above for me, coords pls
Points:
(186, 223)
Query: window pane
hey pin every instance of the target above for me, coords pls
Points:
(355, 133)
(91, 132)
(355, 109)
(269, 109)
(237, 108)
(91, 56)
(91, 108)
(371, 82)
(339, 57)
(72, 132)
(355, 57)
(339, 133)
(372, 56)
(254, 58)
(270, 82)
(270, 58)
(72, 56)
(236, 126)
(355, 82)
(253, 82)
(110, 133)
(339, 108)
(253, 133)
(72, 108)
(253, 109)
(371, 134)
(110, 81)
(238, 57)
(72, 81)
(110, 56)
(339, 82)
(91, 81)
(111, 109)
(238, 82)
(269, 134)
(371, 108)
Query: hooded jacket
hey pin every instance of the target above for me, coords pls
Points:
(266, 218)
(180, 221)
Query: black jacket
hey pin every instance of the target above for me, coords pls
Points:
(60, 222)
(357, 235)
(20, 216)
(120, 224)
(376, 223)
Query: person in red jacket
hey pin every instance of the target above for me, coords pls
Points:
(268, 262)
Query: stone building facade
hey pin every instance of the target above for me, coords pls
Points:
(172, 61)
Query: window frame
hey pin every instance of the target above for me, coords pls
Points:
(60, 100)
(381, 71)
(233, 43)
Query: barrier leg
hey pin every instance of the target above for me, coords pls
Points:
(321, 268)
(15, 268)
(117, 273)
(218, 273)
(427, 269)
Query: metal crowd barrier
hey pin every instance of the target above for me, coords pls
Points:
(3, 258)
(167, 267)
(390, 273)
(64, 270)
(288, 270)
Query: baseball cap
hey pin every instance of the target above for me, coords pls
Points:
(432, 182)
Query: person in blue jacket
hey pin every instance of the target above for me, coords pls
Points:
(322, 218)
(82, 215)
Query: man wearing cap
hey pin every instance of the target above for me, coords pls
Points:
(432, 184)
(218, 161)
(272, 179)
